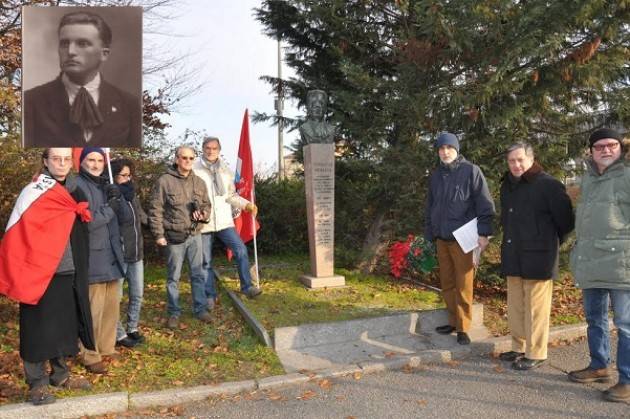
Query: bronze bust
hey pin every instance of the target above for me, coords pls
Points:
(315, 130)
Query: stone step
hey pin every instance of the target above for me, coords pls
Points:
(420, 323)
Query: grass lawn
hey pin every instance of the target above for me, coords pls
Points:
(197, 353)
(286, 302)
(228, 350)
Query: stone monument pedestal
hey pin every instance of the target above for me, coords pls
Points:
(319, 176)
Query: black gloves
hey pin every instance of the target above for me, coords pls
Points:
(112, 191)
(113, 196)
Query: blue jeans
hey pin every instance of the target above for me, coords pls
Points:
(596, 309)
(175, 254)
(134, 272)
(233, 241)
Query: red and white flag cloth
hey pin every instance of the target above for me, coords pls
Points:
(245, 225)
(35, 238)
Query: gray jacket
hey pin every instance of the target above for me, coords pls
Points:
(106, 257)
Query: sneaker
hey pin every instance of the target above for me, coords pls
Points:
(618, 393)
(445, 330)
(511, 356)
(252, 292)
(135, 335)
(40, 395)
(589, 375)
(75, 383)
(211, 304)
(172, 322)
(524, 364)
(127, 342)
(463, 338)
(97, 368)
(204, 317)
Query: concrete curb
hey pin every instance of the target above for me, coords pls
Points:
(259, 329)
(73, 407)
(186, 395)
(101, 404)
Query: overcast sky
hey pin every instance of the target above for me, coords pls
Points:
(225, 37)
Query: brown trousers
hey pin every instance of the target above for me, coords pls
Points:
(456, 279)
(529, 307)
(105, 307)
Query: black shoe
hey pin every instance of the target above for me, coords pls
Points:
(445, 330)
(40, 395)
(463, 338)
(136, 336)
(524, 364)
(510, 356)
(127, 342)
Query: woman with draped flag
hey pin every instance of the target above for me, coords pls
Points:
(43, 265)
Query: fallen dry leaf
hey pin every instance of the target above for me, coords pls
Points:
(408, 369)
(499, 369)
(178, 383)
(273, 396)
(390, 354)
(357, 375)
(340, 398)
(453, 364)
(422, 402)
(307, 395)
(325, 384)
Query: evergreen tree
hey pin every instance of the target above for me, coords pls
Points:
(492, 71)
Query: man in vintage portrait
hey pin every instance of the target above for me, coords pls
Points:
(80, 107)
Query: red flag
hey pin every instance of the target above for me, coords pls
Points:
(244, 182)
(76, 158)
(36, 237)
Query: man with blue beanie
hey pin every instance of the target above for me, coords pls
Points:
(458, 192)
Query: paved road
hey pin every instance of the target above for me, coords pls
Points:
(477, 387)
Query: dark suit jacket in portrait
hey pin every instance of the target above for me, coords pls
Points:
(47, 122)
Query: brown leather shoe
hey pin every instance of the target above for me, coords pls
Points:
(97, 368)
(173, 322)
(618, 393)
(74, 383)
(40, 395)
(589, 375)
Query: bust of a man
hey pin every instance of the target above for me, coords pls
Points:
(315, 130)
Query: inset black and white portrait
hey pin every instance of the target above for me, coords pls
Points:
(81, 76)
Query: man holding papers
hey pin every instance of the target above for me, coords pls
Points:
(536, 215)
(457, 194)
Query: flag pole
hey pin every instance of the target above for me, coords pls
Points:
(255, 234)
(109, 165)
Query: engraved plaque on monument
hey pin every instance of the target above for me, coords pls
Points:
(319, 175)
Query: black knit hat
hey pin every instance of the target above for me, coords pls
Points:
(600, 134)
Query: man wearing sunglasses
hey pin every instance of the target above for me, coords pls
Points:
(178, 207)
(599, 260)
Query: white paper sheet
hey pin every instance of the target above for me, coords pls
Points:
(467, 236)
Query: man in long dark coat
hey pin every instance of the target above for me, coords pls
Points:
(43, 264)
(537, 216)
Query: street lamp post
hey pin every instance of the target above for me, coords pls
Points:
(279, 105)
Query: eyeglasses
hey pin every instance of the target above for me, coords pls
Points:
(125, 175)
(59, 159)
(187, 157)
(610, 146)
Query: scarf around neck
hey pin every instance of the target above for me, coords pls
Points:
(215, 175)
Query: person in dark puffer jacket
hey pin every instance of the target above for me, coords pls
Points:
(133, 253)
(106, 258)
(457, 194)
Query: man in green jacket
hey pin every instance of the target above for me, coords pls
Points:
(599, 259)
